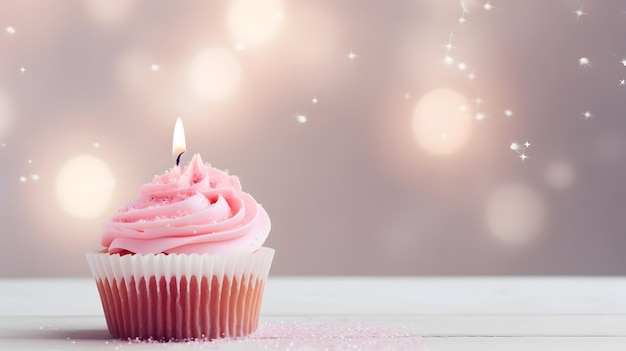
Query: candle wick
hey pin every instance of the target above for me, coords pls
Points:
(178, 158)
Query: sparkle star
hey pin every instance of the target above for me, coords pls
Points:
(487, 6)
(449, 46)
(154, 67)
(587, 114)
(579, 12)
(508, 113)
(584, 62)
(352, 56)
(623, 61)
(622, 82)
(520, 149)
(314, 100)
(301, 118)
(22, 69)
(240, 46)
(463, 7)
(10, 30)
(463, 13)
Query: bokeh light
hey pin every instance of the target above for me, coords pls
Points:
(84, 186)
(559, 174)
(441, 121)
(515, 213)
(5, 113)
(253, 22)
(109, 12)
(214, 74)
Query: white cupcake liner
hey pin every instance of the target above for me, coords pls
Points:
(181, 296)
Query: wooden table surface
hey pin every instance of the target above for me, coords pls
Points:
(352, 313)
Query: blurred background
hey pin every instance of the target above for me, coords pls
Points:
(403, 137)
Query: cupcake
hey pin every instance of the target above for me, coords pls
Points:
(185, 259)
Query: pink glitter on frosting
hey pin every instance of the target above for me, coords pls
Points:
(197, 210)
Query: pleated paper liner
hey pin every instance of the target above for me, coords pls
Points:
(180, 296)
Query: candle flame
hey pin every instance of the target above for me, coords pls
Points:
(178, 142)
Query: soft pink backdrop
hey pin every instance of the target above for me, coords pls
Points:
(348, 185)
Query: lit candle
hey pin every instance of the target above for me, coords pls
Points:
(178, 142)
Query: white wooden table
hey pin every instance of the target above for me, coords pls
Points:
(377, 313)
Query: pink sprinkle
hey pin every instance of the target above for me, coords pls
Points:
(335, 335)
(307, 335)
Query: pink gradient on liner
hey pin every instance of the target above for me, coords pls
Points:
(197, 210)
(187, 308)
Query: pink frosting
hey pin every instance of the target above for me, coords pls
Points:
(197, 210)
